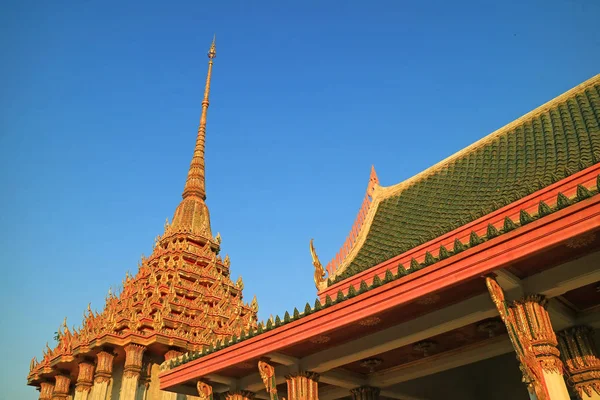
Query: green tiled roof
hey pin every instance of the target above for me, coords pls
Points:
(546, 145)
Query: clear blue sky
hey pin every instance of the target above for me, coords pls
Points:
(100, 103)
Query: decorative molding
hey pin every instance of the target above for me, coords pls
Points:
(205, 391)
(85, 377)
(581, 360)
(303, 386)
(365, 393)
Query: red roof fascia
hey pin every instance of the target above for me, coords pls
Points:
(567, 186)
(477, 261)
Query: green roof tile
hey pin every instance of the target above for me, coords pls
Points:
(547, 146)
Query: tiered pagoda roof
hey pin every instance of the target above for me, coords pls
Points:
(552, 142)
(182, 295)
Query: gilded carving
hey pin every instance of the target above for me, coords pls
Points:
(532, 371)
(205, 391)
(239, 395)
(267, 374)
(46, 391)
(85, 377)
(319, 276)
(180, 294)
(61, 387)
(303, 386)
(581, 360)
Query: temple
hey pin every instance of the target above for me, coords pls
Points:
(181, 299)
(478, 278)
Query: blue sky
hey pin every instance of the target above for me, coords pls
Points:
(100, 104)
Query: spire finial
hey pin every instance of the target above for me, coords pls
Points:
(195, 184)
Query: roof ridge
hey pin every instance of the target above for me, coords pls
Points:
(388, 191)
(381, 193)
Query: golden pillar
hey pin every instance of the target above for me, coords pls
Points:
(531, 334)
(303, 386)
(532, 316)
(46, 390)
(103, 375)
(85, 380)
(61, 387)
(134, 354)
(239, 395)
(365, 393)
(582, 362)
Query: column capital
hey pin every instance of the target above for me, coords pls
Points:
(133, 360)
(46, 390)
(61, 387)
(303, 386)
(240, 395)
(365, 393)
(581, 359)
(85, 376)
(534, 321)
(104, 366)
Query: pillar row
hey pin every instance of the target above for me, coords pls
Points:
(365, 393)
(581, 360)
(303, 386)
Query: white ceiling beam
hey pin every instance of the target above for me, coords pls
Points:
(344, 379)
(590, 318)
(568, 276)
(283, 359)
(561, 316)
(440, 321)
(441, 362)
(398, 396)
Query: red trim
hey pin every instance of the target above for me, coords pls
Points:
(532, 238)
(567, 186)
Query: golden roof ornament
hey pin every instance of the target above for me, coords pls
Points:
(319, 277)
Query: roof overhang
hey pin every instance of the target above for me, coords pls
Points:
(537, 237)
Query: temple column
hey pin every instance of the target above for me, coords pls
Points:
(534, 322)
(131, 372)
(303, 386)
(145, 380)
(582, 362)
(61, 387)
(365, 393)
(168, 356)
(103, 375)
(85, 380)
(46, 390)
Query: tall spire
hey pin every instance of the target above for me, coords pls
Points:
(195, 183)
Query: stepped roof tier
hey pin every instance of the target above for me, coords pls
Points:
(182, 296)
(552, 142)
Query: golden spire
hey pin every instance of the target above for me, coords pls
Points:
(195, 183)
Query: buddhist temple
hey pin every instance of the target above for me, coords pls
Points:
(182, 299)
(478, 278)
